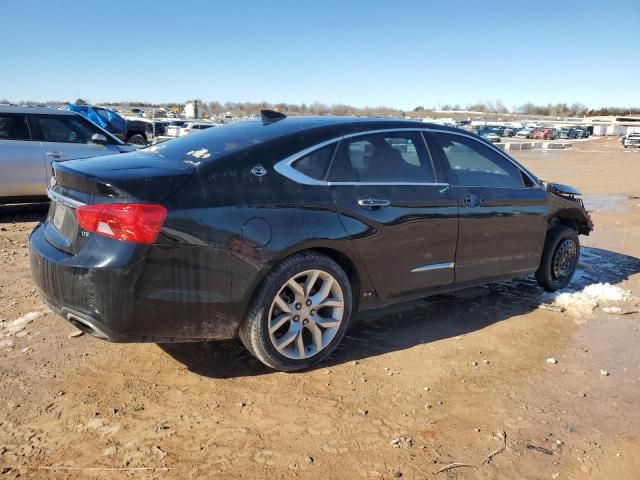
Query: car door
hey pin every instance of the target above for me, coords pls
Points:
(401, 216)
(502, 211)
(68, 137)
(22, 164)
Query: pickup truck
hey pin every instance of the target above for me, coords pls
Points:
(137, 132)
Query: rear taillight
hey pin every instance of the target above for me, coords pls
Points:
(131, 222)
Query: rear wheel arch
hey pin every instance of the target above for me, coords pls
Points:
(252, 331)
(342, 259)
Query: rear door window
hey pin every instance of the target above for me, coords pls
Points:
(471, 163)
(394, 157)
(14, 127)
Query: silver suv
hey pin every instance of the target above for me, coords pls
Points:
(32, 137)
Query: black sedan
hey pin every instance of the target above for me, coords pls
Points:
(278, 230)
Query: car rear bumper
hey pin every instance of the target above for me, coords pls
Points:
(133, 293)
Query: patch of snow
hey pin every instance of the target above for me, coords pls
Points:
(612, 310)
(20, 323)
(583, 302)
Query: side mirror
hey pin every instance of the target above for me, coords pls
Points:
(99, 139)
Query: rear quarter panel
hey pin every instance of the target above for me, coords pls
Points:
(237, 226)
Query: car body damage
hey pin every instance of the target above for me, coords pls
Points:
(566, 207)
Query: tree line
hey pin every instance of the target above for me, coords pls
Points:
(318, 108)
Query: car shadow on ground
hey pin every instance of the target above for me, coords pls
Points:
(408, 324)
(23, 212)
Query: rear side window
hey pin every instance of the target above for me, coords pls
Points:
(316, 164)
(383, 158)
(470, 163)
(14, 127)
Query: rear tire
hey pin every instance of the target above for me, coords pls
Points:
(559, 258)
(289, 329)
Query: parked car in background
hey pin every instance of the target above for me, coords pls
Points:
(492, 134)
(136, 131)
(508, 132)
(493, 137)
(191, 127)
(31, 138)
(174, 126)
(279, 230)
(582, 132)
(542, 134)
(632, 140)
(524, 133)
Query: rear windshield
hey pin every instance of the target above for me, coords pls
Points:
(215, 143)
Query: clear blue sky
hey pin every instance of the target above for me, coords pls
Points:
(395, 53)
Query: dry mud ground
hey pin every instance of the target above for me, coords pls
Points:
(444, 378)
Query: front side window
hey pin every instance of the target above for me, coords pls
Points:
(316, 164)
(14, 127)
(65, 129)
(470, 163)
(383, 158)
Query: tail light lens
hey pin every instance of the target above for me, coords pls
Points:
(131, 222)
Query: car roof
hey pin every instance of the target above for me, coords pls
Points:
(348, 124)
(36, 110)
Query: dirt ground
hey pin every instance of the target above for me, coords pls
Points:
(415, 387)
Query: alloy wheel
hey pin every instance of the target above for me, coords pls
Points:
(306, 314)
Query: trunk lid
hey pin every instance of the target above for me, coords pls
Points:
(143, 176)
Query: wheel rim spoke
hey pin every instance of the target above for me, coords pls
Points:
(296, 288)
(300, 346)
(282, 304)
(279, 321)
(285, 340)
(328, 322)
(316, 334)
(324, 291)
(331, 303)
(312, 278)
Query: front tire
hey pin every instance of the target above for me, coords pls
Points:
(559, 258)
(137, 139)
(300, 313)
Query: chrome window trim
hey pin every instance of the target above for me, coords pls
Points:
(285, 167)
(69, 202)
(434, 266)
(423, 184)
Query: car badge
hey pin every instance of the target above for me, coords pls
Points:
(259, 171)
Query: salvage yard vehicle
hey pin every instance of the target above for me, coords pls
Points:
(631, 140)
(31, 138)
(542, 134)
(173, 129)
(524, 133)
(191, 127)
(279, 230)
(136, 131)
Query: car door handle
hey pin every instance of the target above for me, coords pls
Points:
(373, 203)
(55, 154)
